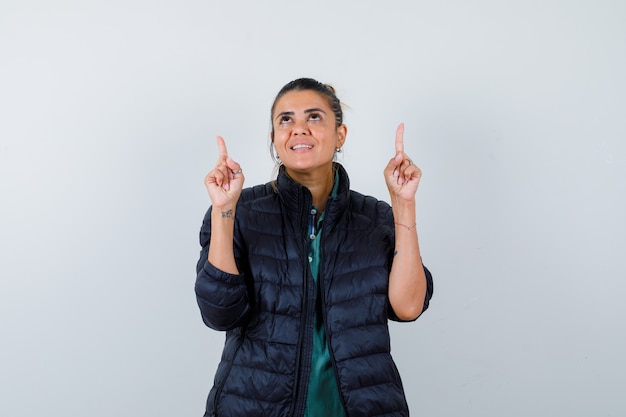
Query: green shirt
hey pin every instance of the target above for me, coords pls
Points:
(323, 394)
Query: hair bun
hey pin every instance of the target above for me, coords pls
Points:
(331, 88)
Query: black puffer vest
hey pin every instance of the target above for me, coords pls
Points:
(268, 310)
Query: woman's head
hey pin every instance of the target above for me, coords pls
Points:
(325, 90)
(307, 125)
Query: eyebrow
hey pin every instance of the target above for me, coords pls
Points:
(307, 111)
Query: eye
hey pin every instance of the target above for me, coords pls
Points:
(315, 116)
(285, 119)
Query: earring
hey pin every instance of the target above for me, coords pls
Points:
(274, 154)
(338, 150)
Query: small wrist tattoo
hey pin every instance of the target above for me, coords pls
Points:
(227, 214)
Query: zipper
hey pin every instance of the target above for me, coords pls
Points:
(298, 409)
(299, 393)
(324, 317)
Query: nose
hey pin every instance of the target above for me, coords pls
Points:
(300, 128)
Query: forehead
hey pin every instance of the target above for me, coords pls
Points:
(302, 100)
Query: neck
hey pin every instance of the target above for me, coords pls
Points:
(319, 183)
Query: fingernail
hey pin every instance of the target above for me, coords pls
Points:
(395, 173)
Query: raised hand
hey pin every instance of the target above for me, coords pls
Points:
(225, 181)
(401, 174)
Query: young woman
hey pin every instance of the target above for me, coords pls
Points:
(303, 273)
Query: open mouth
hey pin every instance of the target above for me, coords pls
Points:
(301, 146)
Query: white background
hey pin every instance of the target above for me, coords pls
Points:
(515, 111)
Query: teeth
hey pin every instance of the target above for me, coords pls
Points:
(301, 146)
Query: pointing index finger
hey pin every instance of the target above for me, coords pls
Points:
(222, 147)
(400, 138)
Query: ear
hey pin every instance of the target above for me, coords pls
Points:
(342, 132)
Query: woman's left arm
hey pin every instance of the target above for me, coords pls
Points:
(407, 280)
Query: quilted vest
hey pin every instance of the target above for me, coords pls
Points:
(267, 311)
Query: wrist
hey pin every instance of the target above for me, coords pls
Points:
(408, 227)
(225, 213)
(402, 203)
(404, 213)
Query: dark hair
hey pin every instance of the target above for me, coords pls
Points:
(302, 84)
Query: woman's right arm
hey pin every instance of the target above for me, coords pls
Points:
(224, 184)
(220, 288)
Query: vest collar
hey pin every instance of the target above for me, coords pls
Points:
(298, 200)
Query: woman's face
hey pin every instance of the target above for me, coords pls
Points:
(305, 132)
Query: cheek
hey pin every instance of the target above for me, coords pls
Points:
(325, 135)
(280, 141)
(280, 137)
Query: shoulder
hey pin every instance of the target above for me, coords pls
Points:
(370, 207)
(361, 204)
(251, 198)
(256, 201)
(258, 193)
